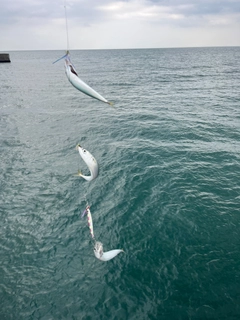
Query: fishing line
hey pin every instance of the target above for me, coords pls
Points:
(85, 198)
(65, 8)
(85, 194)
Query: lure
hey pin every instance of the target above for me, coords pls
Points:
(89, 218)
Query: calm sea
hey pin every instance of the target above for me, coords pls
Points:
(168, 191)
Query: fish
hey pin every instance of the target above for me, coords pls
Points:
(98, 247)
(78, 83)
(90, 161)
(105, 256)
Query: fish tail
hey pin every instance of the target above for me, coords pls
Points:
(78, 174)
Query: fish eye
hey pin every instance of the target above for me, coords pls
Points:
(84, 150)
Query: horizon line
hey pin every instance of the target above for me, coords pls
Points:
(135, 48)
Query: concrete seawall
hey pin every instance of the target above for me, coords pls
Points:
(4, 57)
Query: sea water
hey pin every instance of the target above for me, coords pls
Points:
(168, 189)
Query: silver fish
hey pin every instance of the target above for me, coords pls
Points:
(90, 162)
(104, 256)
(78, 83)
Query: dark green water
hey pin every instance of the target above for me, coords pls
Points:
(168, 191)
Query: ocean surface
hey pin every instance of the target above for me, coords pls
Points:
(168, 190)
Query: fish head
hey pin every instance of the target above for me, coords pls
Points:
(86, 156)
(98, 249)
(67, 59)
(66, 65)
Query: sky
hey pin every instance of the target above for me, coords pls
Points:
(109, 24)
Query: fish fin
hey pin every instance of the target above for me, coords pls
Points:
(79, 174)
(110, 103)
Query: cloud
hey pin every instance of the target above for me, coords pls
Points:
(94, 11)
(170, 11)
(40, 24)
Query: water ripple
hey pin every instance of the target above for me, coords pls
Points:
(167, 191)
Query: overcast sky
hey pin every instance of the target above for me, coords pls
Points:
(109, 24)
